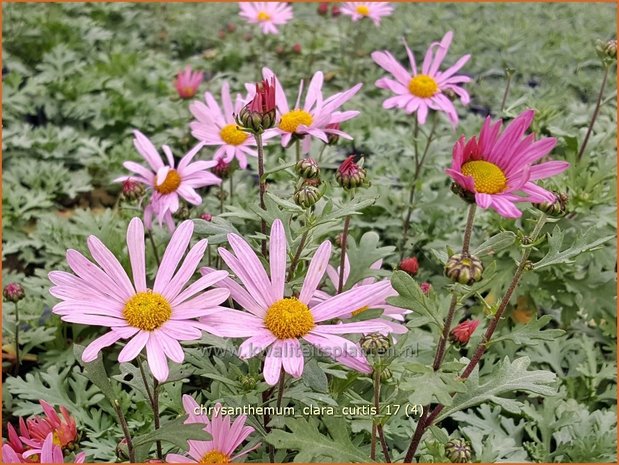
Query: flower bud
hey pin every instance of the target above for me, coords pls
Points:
(307, 168)
(206, 217)
(386, 375)
(231, 27)
(375, 343)
(182, 213)
(606, 50)
(297, 49)
(410, 265)
(13, 292)
(221, 34)
(464, 269)
(332, 133)
(132, 190)
(467, 196)
(323, 8)
(336, 11)
(425, 287)
(461, 334)
(187, 82)
(122, 450)
(458, 451)
(350, 175)
(556, 208)
(259, 114)
(222, 169)
(307, 196)
(248, 382)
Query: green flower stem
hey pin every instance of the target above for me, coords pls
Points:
(149, 232)
(377, 427)
(425, 423)
(125, 428)
(596, 111)
(298, 150)
(17, 359)
(297, 256)
(263, 188)
(413, 187)
(153, 399)
(340, 285)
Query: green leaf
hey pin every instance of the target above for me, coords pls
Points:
(507, 378)
(175, 432)
(531, 333)
(363, 255)
(412, 297)
(95, 372)
(429, 386)
(556, 257)
(496, 243)
(314, 378)
(313, 446)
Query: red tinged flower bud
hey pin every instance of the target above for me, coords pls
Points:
(350, 175)
(13, 292)
(335, 11)
(132, 190)
(425, 287)
(206, 217)
(259, 114)
(410, 265)
(296, 48)
(462, 333)
(230, 27)
(222, 168)
(323, 8)
(332, 130)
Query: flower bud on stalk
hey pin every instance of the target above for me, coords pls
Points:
(556, 208)
(13, 292)
(461, 334)
(464, 269)
(307, 168)
(248, 382)
(425, 287)
(259, 114)
(323, 8)
(458, 451)
(410, 265)
(132, 190)
(607, 50)
(333, 138)
(336, 11)
(386, 375)
(206, 217)
(182, 213)
(375, 344)
(350, 175)
(307, 195)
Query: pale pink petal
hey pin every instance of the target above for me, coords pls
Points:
(315, 271)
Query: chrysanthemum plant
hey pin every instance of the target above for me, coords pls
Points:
(294, 308)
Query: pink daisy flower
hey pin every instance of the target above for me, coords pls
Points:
(418, 92)
(316, 118)
(102, 294)
(49, 452)
(390, 312)
(39, 427)
(227, 436)
(169, 183)
(187, 82)
(372, 10)
(268, 15)
(213, 126)
(498, 168)
(279, 323)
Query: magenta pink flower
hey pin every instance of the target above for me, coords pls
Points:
(390, 312)
(372, 10)
(268, 15)
(187, 82)
(158, 318)
(279, 323)
(419, 92)
(63, 429)
(215, 127)
(227, 436)
(169, 183)
(499, 168)
(317, 116)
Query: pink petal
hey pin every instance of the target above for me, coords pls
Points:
(157, 361)
(172, 256)
(277, 259)
(136, 247)
(316, 271)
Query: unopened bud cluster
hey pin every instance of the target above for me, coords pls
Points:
(308, 192)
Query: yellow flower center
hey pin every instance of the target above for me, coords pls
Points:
(363, 10)
(293, 119)
(170, 183)
(147, 310)
(488, 177)
(423, 86)
(262, 16)
(232, 135)
(56, 439)
(360, 310)
(289, 318)
(215, 456)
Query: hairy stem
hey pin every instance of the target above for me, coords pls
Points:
(263, 188)
(340, 285)
(17, 358)
(156, 415)
(149, 232)
(125, 428)
(595, 113)
(297, 256)
(506, 93)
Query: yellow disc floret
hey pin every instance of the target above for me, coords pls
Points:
(215, 456)
(488, 177)
(262, 16)
(423, 86)
(289, 318)
(293, 119)
(363, 10)
(232, 135)
(170, 183)
(147, 310)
